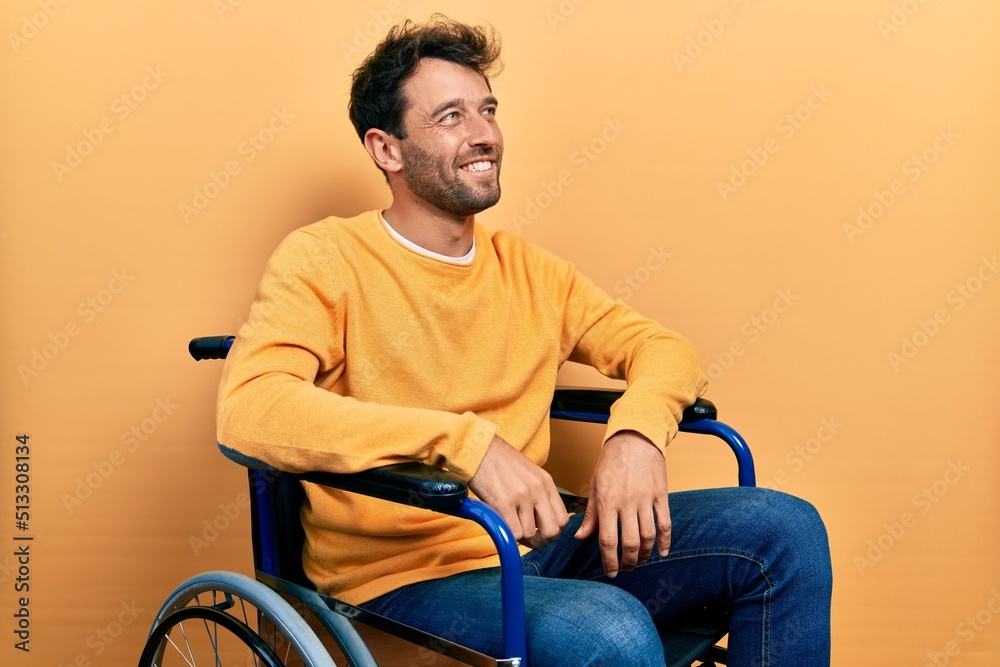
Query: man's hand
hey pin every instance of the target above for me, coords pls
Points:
(629, 487)
(523, 494)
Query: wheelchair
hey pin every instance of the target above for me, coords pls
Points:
(277, 619)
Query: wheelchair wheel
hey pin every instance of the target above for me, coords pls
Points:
(225, 618)
(226, 639)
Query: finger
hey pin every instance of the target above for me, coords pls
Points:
(647, 535)
(526, 517)
(550, 514)
(537, 542)
(513, 522)
(630, 541)
(550, 524)
(664, 525)
(589, 522)
(558, 514)
(607, 540)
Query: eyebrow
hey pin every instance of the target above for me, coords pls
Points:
(457, 102)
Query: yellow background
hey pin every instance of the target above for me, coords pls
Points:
(621, 121)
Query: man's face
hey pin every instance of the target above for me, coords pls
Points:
(453, 147)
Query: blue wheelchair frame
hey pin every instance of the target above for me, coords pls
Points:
(424, 486)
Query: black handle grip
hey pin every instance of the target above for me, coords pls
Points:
(210, 347)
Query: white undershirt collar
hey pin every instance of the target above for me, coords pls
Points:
(463, 260)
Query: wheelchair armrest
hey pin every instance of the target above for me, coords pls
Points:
(596, 403)
(409, 483)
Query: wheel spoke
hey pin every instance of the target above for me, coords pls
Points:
(246, 619)
(187, 643)
(179, 652)
(213, 639)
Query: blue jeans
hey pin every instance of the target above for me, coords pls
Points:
(762, 552)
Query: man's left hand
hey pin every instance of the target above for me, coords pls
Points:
(629, 487)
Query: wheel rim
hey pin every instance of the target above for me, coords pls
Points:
(218, 629)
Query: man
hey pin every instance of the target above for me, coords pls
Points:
(415, 334)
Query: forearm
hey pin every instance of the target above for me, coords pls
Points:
(662, 369)
(664, 375)
(292, 425)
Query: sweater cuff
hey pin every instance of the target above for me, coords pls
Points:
(658, 434)
(478, 436)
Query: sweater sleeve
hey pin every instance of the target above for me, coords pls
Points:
(271, 406)
(662, 369)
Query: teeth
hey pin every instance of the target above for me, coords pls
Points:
(478, 166)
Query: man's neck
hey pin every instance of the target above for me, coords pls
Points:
(431, 228)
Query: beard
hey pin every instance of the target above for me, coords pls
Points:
(431, 178)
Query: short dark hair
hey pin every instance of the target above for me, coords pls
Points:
(376, 88)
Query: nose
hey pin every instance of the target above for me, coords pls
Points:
(484, 131)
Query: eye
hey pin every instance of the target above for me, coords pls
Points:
(490, 111)
(453, 115)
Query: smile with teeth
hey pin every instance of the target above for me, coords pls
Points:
(483, 165)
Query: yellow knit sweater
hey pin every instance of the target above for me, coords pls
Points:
(359, 352)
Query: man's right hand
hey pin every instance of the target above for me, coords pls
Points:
(522, 492)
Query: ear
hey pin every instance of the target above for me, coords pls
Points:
(384, 149)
